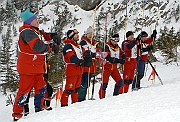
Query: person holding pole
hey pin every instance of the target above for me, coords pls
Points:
(143, 47)
(115, 55)
(89, 44)
(75, 60)
(130, 48)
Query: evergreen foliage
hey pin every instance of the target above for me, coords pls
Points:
(168, 43)
(7, 63)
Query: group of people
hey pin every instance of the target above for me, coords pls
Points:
(80, 57)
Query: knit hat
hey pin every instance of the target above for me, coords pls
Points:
(28, 16)
(71, 33)
(129, 33)
(143, 34)
(89, 30)
(115, 37)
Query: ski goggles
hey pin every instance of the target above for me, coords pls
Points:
(115, 39)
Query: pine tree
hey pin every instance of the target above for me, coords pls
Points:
(14, 31)
(56, 73)
(168, 43)
(8, 74)
(10, 14)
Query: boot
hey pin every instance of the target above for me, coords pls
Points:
(15, 119)
(116, 90)
(136, 83)
(47, 105)
(26, 109)
(82, 94)
(38, 109)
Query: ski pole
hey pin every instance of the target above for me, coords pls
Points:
(92, 98)
(125, 25)
(155, 72)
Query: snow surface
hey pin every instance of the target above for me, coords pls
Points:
(156, 103)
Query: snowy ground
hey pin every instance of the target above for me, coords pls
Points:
(156, 103)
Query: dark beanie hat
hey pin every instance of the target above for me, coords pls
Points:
(129, 33)
(144, 34)
(71, 33)
(115, 37)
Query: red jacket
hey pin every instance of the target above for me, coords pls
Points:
(72, 53)
(31, 55)
(110, 49)
(130, 49)
(144, 44)
(86, 42)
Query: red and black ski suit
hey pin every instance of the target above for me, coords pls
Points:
(87, 45)
(30, 66)
(110, 69)
(72, 53)
(130, 49)
(143, 48)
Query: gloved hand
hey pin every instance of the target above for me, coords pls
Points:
(123, 56)
(55, 49)
(150, 47)
(84, 63)
(154, 34)
(121, 61)
(87, 56)
(56, 38)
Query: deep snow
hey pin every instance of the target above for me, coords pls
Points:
(156, 103)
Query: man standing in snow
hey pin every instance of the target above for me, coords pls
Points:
(89, 44)
(130, 48)
(48, 93)
(74, 60)
(115, 56)
(30, 63)
(143, 49)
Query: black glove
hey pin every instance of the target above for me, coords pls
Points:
(121, 61)
(123, 56)
(55, 49)
(56, 38)
(148, 48)
(88, 58)
(154, 34)
(84, 63)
